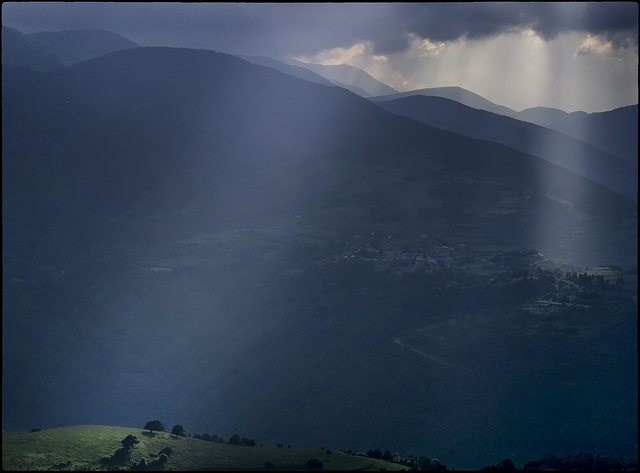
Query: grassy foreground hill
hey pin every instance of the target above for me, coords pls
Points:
(91, 447)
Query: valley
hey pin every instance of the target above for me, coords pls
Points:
(234, 249)
(406, 332)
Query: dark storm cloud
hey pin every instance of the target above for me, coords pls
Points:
(446, 22)
(307, 28)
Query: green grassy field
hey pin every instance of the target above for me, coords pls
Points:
(82, 448)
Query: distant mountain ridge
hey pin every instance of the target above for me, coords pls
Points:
(545, 116)
(614, 131)
(19, 51)
(458, 94)
(73, 46)
(45, 51)
(348, 77)
(295, 71)
(546, 143)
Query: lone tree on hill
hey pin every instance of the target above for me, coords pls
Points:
(178, 430)
(154, 425)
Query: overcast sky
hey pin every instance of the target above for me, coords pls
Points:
(567, 55)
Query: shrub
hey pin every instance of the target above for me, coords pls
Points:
(315, 464)
(165, 451)
(160, 461)
(234, 439)
(129, 441)
(141, 465)
(120, 455)
(35, 429)
(506, 465)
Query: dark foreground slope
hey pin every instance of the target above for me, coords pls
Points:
(189, 236)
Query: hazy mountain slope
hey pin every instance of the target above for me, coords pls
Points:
(190, 236)
(221, 124)
(18, 50)
(73, 46)
(615, 131)
(458, 94)
(345, 76)
(356, 90)
(545, 143)
(545, 116)
(295, 71)
(213, 115)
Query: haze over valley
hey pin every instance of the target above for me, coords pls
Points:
(301, 253)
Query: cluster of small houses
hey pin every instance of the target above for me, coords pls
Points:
(409, 259)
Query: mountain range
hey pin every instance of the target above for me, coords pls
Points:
(614, 132)
(192, 236)
(349, 77)
(546, 143)
(50, 50)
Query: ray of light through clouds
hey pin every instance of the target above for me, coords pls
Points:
(566, 55)
(519, 64)
(569, 56)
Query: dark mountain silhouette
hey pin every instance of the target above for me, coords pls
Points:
(73, 46)
(18, 50)
(555, 147)
(156, 112)
(458, 94)
(349, 77)
(191, 237)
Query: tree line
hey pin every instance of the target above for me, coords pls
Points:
(179, 431)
